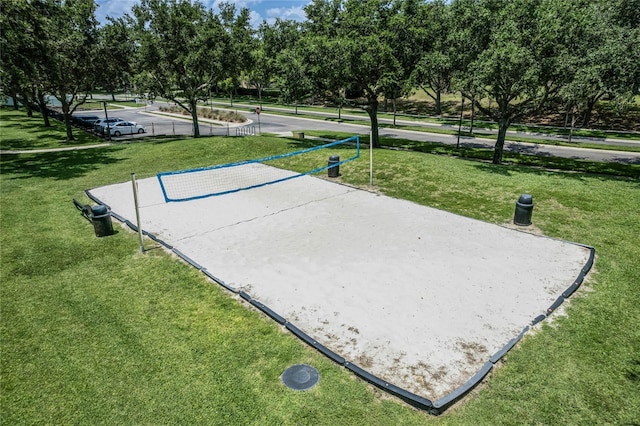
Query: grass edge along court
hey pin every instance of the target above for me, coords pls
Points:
(92, 331)
(426, 301)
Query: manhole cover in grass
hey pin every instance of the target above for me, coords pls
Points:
(300, 377)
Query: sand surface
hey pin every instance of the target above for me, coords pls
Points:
(417, 296)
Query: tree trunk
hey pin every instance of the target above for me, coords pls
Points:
(438, 103)
(67, 124)
(113, 96)
(460, 123)
(502, 134)
(573, 125)
(66, 117)
(43, 109)
(14, 96)
(194, 118)
(372, 110)
(473, 115)
(587, 113)
(27, 104)
(395, 111)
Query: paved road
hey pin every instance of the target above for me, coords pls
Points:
(521, 147)
(426, 124)
(277, 123)
(157, 124)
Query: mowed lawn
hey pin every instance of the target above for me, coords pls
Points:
(94, 332)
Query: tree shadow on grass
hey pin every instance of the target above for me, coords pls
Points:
(164, 139)
(567, 167)
(57, 165)
(522, 157)
(44, 140)
(300, 144)
(633, 371)
(29, 133)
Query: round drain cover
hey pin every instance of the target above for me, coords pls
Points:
(300, 377)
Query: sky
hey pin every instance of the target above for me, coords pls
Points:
(261, 10)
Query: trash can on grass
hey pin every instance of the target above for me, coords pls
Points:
(524, 210)
(101, 219)
(334, 166)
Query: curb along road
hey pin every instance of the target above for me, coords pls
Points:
(287, 123)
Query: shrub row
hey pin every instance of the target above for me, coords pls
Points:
(213, 114)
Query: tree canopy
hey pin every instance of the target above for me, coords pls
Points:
(47, 47)
(183, 51)
(510, 58)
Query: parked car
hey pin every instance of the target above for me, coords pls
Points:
(85, 121)
(125, 128)
(101, 125)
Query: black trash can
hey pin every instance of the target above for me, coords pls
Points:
(101, 219)
(524, 210)
(334, 167)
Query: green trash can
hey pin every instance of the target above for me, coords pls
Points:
(334, 166)
(101, 219)
(524, 210)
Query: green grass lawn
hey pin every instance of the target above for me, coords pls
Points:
(19, 132)
(94, 332)
(486, 154)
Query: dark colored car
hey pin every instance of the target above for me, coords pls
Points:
(85, 121)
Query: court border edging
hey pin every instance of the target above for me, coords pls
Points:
(435, 408)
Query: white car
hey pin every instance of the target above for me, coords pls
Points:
(125, 128)
(101, 124)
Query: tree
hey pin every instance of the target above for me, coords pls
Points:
(608, 64)
(393, 87)
(240, 34)
(434, 68)
(24, 54)
(261, 71)
(509, 74)
(270, 42)
(356, 33)
(70, 30)
(293, 79)
(15, 37)
(182, 51)
(229, 85)
(466, 38)
(406, 31)
(592, 53)
(325, 67)
(116, 54)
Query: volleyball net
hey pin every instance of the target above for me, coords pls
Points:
(192, 184)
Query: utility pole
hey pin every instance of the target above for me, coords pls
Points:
(104, 103)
